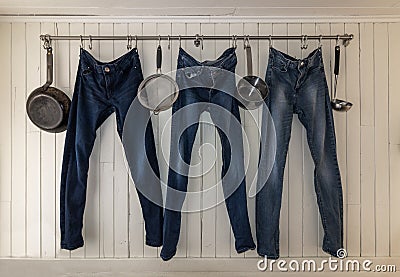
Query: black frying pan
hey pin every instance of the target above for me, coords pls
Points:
(48, 107)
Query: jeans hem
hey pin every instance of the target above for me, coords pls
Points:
(153, 243)
(272, 257)
(168, 257)
(330, 252)
(245, 248)
(73, 245)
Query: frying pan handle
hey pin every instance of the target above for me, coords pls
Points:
(159, 58)
(249, 60)
(337, 59)
(49, 56)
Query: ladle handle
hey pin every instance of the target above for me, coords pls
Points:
(337, 60)
(49, 57)
(249, 61)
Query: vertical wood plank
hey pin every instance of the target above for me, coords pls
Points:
(18, 191)
(48, 169)
(394, 201)
(92, 209)
(295, 164)
(5, 228)
(61, 81)
(381, 100)
(34, 51)
(107, 131)
(6, 143)
(394, 138)
(310, 207)
(120, 171)
(367, 192)
(367, 141)
(285, 224)
(222, 226)
(209, 156)
(136, 223)
(353, 142)
(367, 73)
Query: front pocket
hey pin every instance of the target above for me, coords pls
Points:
(279, 66)
(86, 71)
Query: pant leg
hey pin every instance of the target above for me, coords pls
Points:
(180, 156)
(87, 113)
(315, 113)
(138, 140)
(269, 196)
(224, 112)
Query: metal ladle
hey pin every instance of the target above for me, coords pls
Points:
(338, 104)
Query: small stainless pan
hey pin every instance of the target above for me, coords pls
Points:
(252, 90)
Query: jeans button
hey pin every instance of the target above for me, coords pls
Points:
(107, 69)
(302, 63)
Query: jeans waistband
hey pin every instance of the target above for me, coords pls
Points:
(121, 63)
(313, 59)
(227, 60)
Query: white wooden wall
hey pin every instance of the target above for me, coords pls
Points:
(368, 139)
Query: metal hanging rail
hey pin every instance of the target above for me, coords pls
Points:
(197, 39)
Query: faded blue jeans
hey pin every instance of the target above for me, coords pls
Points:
(299, 86)
(206, 86)
(100, 90)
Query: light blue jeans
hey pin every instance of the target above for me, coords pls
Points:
(299, 87)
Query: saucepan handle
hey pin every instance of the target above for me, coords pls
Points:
(49, 57)
(159, 58)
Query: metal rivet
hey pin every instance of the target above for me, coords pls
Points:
(107, 69)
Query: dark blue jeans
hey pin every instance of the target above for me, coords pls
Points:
(206, 86)
(299, 87)
(100, 90)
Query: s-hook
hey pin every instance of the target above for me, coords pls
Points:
(129, 42)
(246, 42)
(169, 42)
(320, 42)
(234, 41)
(82, 42)
(198, 41)
(90, 42)
(338, 40)
(304, 42)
